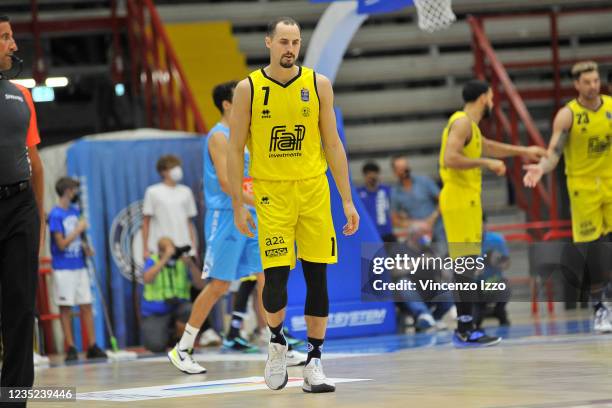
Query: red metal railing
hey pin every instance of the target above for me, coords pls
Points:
(556, 63)
(43, 306)
(37, 28)
(541, 203)
(157, 75)
(487, 64)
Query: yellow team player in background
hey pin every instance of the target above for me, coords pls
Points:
(582, 131)
(461, 161)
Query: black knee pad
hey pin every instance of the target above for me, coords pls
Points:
(275, 288)
(317, 300)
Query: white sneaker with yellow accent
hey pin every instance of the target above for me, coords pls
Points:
(183, 360)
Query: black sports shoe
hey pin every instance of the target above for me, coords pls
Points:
(239, 344)
(474, 338)
(71, 354)
(95, 352)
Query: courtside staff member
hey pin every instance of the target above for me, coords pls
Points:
(21, 204)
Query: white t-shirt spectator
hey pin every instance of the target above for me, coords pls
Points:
(170, 209)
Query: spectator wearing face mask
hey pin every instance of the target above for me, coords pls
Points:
(168, 209)
(71, 283)
(376, 199)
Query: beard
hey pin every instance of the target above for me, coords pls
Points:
(287, 63)
(488, 111)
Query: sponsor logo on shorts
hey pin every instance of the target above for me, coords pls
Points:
(305, 95)
(273, 253)
(264, 200)
(287, 143)
(274, 241)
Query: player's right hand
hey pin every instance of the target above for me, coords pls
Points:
(533, 174)
(352, 219)
(496, 166)
(244, 222)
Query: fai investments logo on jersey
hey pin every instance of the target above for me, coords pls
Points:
(284, 143)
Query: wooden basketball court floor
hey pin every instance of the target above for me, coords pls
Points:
(551, 361)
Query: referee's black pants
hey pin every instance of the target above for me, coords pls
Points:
(19, 242)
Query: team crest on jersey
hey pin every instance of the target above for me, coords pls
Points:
(305, 94)
(305, 111)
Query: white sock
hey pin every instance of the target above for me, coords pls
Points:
(188, 338)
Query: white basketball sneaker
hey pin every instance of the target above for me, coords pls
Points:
(314, 378)
(601, 320)
(275, 374)
(183, 360)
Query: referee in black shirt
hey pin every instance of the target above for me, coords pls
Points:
(21, 212)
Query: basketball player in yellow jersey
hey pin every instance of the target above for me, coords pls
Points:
(461, 161)
(582, 130)
(284, 113)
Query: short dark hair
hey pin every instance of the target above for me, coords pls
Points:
(223, 92)
(370, 166)
(473, 89)
(4, 19)
(64, 184)
(583, 67)
(167, 162)
(285, 20)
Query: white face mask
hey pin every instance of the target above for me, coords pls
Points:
(176, 174)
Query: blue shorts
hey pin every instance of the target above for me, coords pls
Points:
(229, 254)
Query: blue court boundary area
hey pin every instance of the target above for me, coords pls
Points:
(544, 332)
(536, 332)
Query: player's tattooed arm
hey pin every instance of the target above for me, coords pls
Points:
(560, 137)
(555, 152)
(561, 127)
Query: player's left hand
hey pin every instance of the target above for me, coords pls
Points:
(352, 219)
(535, 153)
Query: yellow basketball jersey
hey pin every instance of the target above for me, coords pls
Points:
(468, 178)
(284, 140)
(587, 152)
